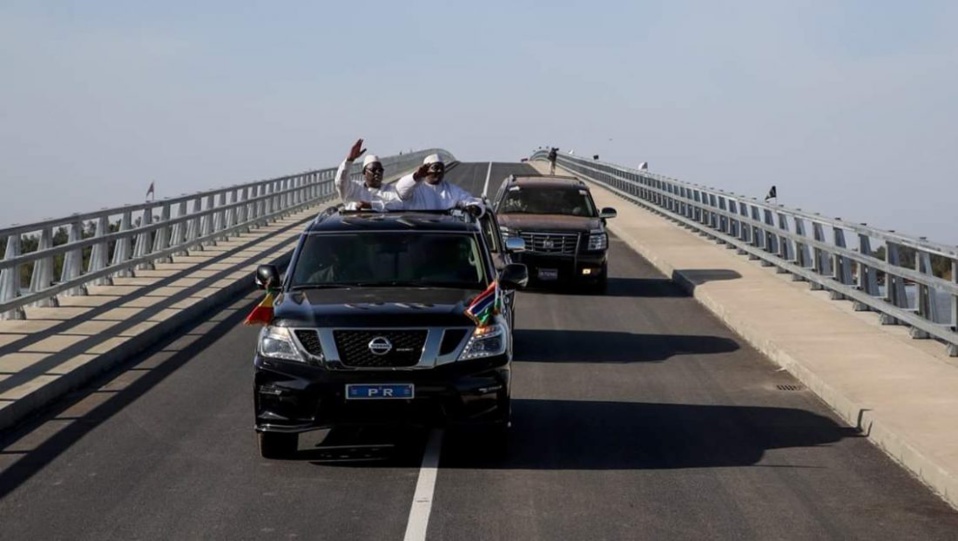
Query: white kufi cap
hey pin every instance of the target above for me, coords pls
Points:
(432, 158)
(370, 158)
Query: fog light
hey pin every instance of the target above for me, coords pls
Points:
(270, 390)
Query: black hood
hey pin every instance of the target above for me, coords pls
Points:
(374, 307)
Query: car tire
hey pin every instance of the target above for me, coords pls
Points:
(277, 445)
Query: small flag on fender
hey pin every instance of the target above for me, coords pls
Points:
(485, 305)
(263, 313)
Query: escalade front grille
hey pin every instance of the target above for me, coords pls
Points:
(551, 243)
(354, 348)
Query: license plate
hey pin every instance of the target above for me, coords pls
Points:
(548, 274)
(384, 391)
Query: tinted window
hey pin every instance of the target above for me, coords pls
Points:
(386, 258)
(547, 200)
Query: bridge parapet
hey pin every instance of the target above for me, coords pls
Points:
(62, 256)
(906, 280)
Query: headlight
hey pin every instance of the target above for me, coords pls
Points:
(598, 240)
(486, 341)
(277, 343)
(506, 232)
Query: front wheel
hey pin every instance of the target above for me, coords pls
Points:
(277, 445)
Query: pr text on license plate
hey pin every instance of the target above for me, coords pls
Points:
(548, 274)
(380, 391)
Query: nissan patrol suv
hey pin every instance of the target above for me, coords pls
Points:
(565, 236)
(370, 326)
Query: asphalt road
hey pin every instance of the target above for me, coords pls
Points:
(637, 415)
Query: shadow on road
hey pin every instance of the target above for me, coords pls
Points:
(592, 435)
(570, 346)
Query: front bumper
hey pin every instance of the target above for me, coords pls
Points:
(297, 397)
(590, 266)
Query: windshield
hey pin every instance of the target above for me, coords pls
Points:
(390, 259)
(551, 200)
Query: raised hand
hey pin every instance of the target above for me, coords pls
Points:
(421, 173)
(356, 151)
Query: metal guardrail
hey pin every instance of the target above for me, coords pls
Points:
(96, 249)
(877, 270)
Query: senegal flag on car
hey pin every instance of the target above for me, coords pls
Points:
(485, 305)
(263, 313)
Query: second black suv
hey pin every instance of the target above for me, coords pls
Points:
(370, 326)
(564, 233)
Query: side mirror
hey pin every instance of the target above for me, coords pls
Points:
(514, 276)
(515, 245)
(608, 212)
(267, 275)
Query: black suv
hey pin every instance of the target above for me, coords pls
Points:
(565, 236)
(369, 326)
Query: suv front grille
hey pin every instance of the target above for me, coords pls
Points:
(310, 341)
(551, 243)
(354, 350)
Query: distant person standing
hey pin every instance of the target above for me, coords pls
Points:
(553, 154)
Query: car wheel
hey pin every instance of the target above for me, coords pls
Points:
(277, 445)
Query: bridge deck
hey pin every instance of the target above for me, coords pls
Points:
(638, 414)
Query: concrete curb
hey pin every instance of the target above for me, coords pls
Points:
(881, 433)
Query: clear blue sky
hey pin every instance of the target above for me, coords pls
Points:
(848, 106)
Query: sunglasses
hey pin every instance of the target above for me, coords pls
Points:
(437, 167)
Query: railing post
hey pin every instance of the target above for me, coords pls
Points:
(843, 269)
(219, 219)
(10, 279)
(42, 276)
(823, 261)
(231, 214)
(786, 248)
(802, 253)
(770, 239)
(123, 249)
(758, 236)
(193, 224)
(73, 261)
(99, 256)
(178, 234)
(144, 241)
(867, 279)
(894, 285)
(255, 204)
(926, 301)
(242, 212)
(161, 240)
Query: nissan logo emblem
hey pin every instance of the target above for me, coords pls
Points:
(380, 345)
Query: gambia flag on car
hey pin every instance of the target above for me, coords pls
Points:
(486, 305)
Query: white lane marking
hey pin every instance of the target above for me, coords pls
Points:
(485, 189)
(422, 500)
